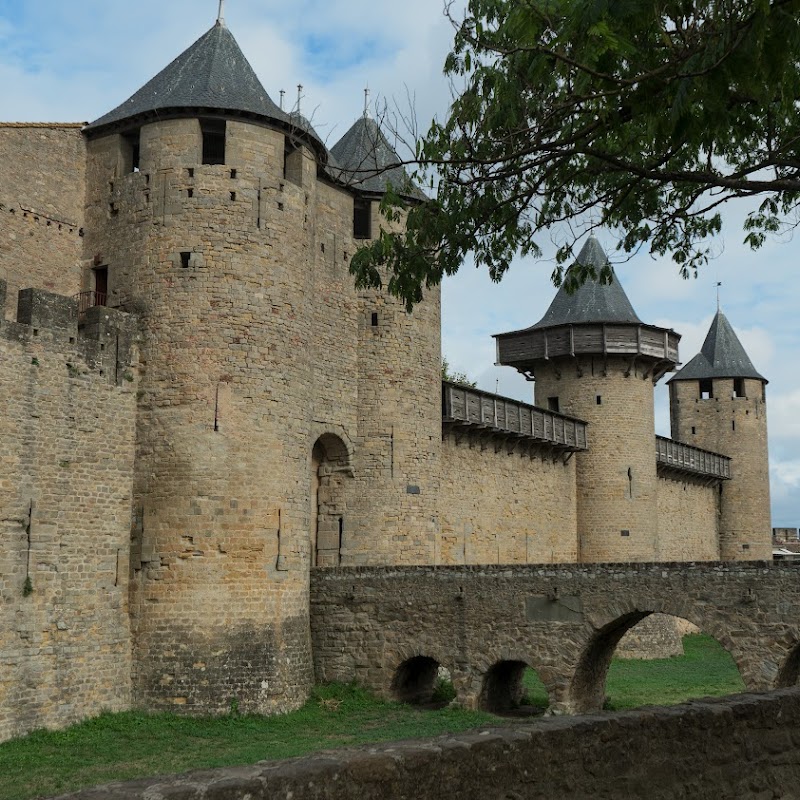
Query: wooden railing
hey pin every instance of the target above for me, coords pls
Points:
(685, 458)
(462, 405)
(87, 300)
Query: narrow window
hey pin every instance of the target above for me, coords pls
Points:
(190, 193)
(625, 533)
(233, 173)
(213, 140)
(190, 172)
(233, 197)
(694, 430)
(374, 319)
(738, 387)
(185, 257)
(362, 219)
(733, 424)
(293, 164)
(552, 404)
(599, 400)
(706, 389)
(132, 150)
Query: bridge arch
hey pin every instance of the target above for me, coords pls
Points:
(503, 687)
(789, 673)
(415, 674)
(587, 688)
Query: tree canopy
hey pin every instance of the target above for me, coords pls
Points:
(640, 115)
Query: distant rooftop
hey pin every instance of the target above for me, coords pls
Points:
(721, 356)
(369, 163)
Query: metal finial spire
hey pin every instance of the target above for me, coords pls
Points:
(719, 283)
(283, 94)
(221, 15)
(366, 102)
(299, 95)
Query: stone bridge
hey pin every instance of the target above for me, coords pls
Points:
(391, 628)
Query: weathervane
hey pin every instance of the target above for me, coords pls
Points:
(719, 283)
(221, 15)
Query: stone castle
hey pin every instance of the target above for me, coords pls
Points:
(199, 408)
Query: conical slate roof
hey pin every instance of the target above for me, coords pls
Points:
(212, 74)
(369, 163)
(593, 301)
(721, 356)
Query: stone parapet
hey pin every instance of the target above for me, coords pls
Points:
(743, 746)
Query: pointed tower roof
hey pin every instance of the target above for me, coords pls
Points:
(721, 356)
(212, 75)
(368, 163)
(592, 301)
(596, 319)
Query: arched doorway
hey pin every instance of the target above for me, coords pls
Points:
(330, 472)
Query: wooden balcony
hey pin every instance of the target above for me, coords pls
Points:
(682, 459)
(524, 349)
(473, 411)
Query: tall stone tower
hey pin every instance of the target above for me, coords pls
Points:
(593, 358)
(718, 402)
(225, 225)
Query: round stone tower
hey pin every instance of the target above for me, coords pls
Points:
(718, 402)
(593, 358)
(227, 227)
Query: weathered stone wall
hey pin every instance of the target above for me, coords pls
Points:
(688, 520)
(501, 508)
(252, 356)
(743, 747)
(616, 477)
(565, 621)
(66, 477)
(735, 427)
(656, 636)
(42, 189)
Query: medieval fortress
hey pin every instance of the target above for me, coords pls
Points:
(199, 408)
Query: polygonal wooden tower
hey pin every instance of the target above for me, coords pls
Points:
(593, 358)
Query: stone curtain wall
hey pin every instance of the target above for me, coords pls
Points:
(743, 747)
(501, 508)
(66, 471)
(565, 621)
(688, 520)
(42, 189)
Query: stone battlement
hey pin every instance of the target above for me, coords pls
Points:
(102, 340)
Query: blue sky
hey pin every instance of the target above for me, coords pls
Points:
(63, 61)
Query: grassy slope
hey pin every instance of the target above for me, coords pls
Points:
(120, 746)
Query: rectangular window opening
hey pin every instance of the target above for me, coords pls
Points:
(694, 430)
(599, 400)
(733, 424)
(213, 131)
(738, 387)
(362, 219)
(624, 533)
(233, 197)
(190, 193)
(185, 258)
(190, 172)
(100, 282)
(132, 150)
(374, 319)
(553, 404)
(233, 174)
(706, 389)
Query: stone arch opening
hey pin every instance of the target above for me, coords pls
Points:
(707, 668)
(331, 469)
(415, 680)
(512, 688)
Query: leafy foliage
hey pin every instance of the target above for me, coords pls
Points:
(460, 378)
(640, 116)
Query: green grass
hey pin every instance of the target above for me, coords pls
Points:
(705, 670)
(130, 745)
